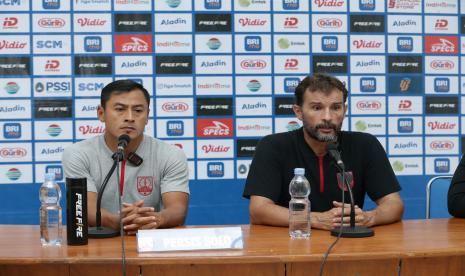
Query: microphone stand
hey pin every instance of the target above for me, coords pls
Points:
(352, 231)
(99, 231)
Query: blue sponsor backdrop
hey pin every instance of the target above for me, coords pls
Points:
(221, 74)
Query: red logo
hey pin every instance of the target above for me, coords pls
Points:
(329, 3)
(52, 65)
(89, 22)
(175, 107)
(5, 44)
(251, 22)
(215, 148)
(404, 105)
(441, 145)
(441, 24)
(87, 129)
(369, 44)
(291, 64)
(10, 23)
(350, 179)
(442, 64)
(291, 22)
(329, 23)
(13, 152)
(133, 43)
(51, 22)
(214, 127)
(441, 125)
(253, 64)
(145, 185)
(369, 105)
(441, 44)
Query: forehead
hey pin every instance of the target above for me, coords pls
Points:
(133, 97)
(334, 96)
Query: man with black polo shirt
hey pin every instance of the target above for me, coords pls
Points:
(321, 106)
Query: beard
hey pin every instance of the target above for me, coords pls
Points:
(312, 131)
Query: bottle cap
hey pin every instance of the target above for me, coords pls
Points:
(299, 171)
(50, 176)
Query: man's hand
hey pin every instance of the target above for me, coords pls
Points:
(136, 216)
(332, 218)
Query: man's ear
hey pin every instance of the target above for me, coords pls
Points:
(297, 111)
(147, 119)
(101, 113)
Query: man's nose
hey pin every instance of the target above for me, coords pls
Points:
(129, 115)
(327, 114)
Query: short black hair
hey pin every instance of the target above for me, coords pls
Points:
(120, 87)
(321, 82)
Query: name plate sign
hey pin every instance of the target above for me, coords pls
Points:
(158, 240)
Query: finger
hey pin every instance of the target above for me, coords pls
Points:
(145, 210)
(139, 203)
(131, 227)
(129, 219)
(131, 233)
(144, 220)
(151, 225)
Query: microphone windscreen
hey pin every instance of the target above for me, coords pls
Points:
(330, 147)
(124, 139)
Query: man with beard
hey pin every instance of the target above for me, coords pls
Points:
(321, 106)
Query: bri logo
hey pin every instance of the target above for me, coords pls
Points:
(290, 4)
(404, 44)
(253, 43)
(367, 5)
(12, 130)
(51, 4)
(175, 128)
(329, 43)
(405, 125)
(56, 169)
(92, 44)
(215, 169)
(441, 165)
(212, 4)
(367, 84)
(290, 84)
(441, 85)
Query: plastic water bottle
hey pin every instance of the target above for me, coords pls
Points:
(50, 211)
(299, 206)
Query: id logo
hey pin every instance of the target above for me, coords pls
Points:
(367, 85)
(404, 44)
(441, 85)
(253, 43)
(441, 165)
(290, 5)
(367, 5)
(215, 169)
(290, 84)
(93, 44)
(212, 4)
(12, 130)
(175, 128)
(405, 125)
(51, 4)
(329, 43)
(57, 170)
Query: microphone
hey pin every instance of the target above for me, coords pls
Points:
(332, 150)
(123, 141)
(352, 231)
(100, 231)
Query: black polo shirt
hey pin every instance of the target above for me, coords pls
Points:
(277, 155)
